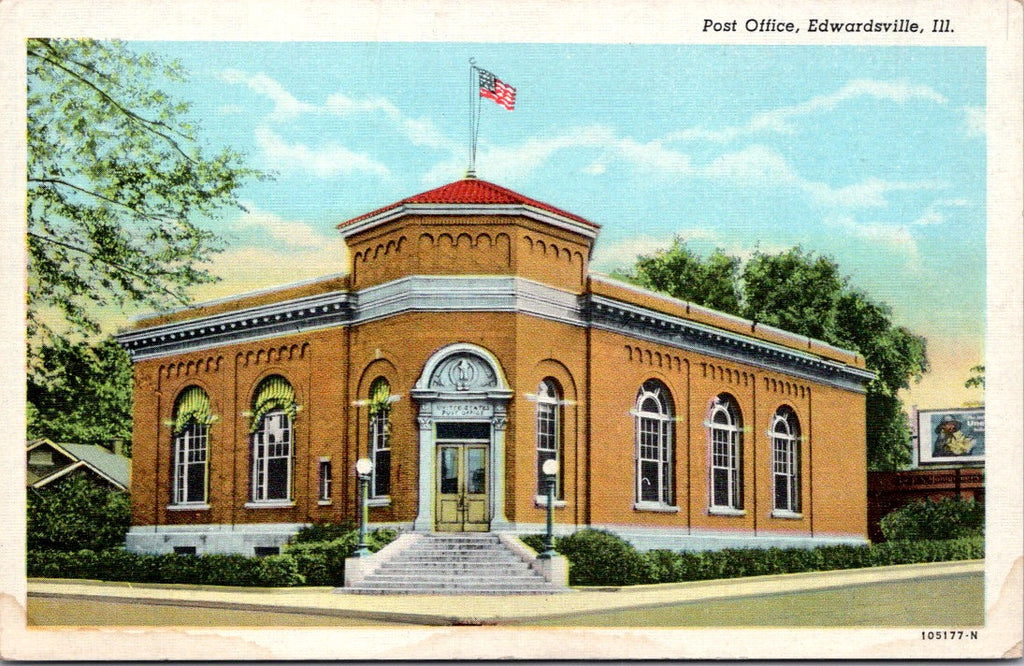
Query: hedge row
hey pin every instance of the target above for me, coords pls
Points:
(117, 564)
(601, 558)
(307, 563)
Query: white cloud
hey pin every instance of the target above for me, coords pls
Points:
(761, 166)
(779, 120)
(509, 164)
(754, 163)
(869, 193)
(623, 254)
(893, 238)
(327, 161)
(421, 132)
(974, 120)
(937, 212)
(892, 91)
(245, 269)
(286, 106)
(286, 233)
(654, 157)
(929, 217)
(231, 109)
(267, 250)
(513, 163)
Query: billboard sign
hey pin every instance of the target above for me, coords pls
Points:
(951, 435)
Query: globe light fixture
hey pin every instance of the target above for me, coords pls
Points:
(550, 471)
(364, 466)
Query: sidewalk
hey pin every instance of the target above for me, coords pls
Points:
(471, 609)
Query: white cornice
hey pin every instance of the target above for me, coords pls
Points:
(747, 323)
(640, 322)
(236, 297)
(426, 293)
(258, 322)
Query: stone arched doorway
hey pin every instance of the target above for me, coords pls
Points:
(462, 397)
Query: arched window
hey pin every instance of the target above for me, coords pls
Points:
(380, 437)
(274, 410)
(785, 436)
(549, 434)
(653, 415)
(193, 415)
(725, 430)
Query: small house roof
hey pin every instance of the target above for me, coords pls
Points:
(114, 468)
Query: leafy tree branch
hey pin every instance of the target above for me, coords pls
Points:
(120, 194)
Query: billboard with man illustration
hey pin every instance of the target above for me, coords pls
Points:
(951, 435)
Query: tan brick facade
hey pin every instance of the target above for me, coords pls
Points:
(507, 294)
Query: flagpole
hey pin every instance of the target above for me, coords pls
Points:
(474, 115)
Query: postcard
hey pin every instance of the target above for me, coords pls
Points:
(512, 330)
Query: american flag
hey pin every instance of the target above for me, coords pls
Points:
(494, 88)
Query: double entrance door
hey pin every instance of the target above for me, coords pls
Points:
(462, 474)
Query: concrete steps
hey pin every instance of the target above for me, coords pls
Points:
(454, 564)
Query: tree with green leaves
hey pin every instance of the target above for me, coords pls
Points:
(977, 378)
(118, 184)
(75, 513)
(81, 393)
(684, 274)
(807, 294)
(118, 191)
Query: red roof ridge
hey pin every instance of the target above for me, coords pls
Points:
(471, 191)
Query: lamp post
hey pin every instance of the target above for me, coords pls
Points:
(550, 470)
(363, 468)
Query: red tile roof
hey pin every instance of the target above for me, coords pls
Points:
(472, 191)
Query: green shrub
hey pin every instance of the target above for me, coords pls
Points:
(948, 518)
(323, 562)
(599, 558)
(846, 557)
(666, 565)
(308, 563)
(75, 513)
(907, 552)
(278, 571)
(323, 532)
(535, 541)
(377, 539)
(119, 565)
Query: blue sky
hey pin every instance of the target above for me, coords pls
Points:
(875, 156)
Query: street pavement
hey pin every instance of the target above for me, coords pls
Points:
(444, 610)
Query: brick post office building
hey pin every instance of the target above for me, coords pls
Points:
(467, 345)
